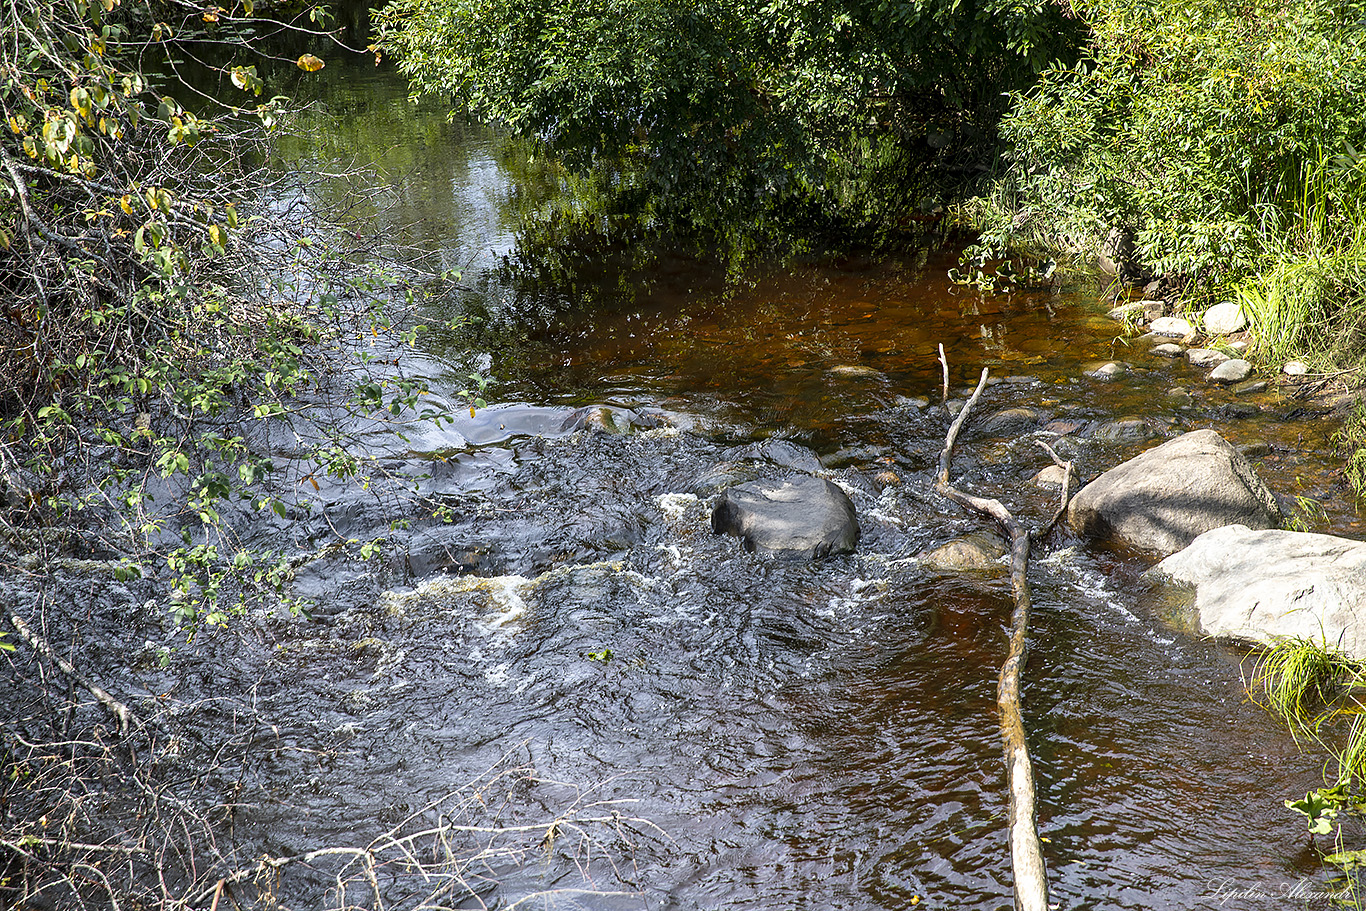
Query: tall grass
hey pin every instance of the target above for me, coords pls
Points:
(1308, 298)
(1317, 691)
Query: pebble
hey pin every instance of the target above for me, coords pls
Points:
(1252, 388)
(1255, 450)
(1295, 368)
(1234, 371)
(1167, 349)
(1179, 396)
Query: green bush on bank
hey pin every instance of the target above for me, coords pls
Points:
(1214, 144)
(1191, 126)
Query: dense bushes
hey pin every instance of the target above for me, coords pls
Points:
(1207, 131)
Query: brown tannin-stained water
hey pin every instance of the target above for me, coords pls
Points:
(797, 735)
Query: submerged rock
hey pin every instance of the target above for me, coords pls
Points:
(1108, 372)
(978, 552)
(1264, 585)
(595, 419)
(1162, 499)
(856, 371)
(1125, 430)
(801, 516)
(780, 452)
(1011, 420)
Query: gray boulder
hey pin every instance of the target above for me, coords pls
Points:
(1171, 327)
(1162, 499)
(801, 516)
(1265, 585)
(1205, 357)
(1223, 319)
(1234, 371)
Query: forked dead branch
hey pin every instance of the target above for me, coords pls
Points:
(1026, 850)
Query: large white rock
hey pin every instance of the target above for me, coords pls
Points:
(1261, 586)
(1171, 327)
(1162, 499)
(1223, 319)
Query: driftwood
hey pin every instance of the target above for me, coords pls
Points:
(40, 645)
(1026, 851)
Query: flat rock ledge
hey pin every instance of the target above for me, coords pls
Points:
(800, 516)
(1262, 586)
(1162, 499)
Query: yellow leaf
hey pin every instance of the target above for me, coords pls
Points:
(310, 64)
(216, 235)
(210, 15)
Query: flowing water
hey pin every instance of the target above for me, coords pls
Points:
(769, 734)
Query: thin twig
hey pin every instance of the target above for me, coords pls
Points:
(943, 359)
(1066, 466)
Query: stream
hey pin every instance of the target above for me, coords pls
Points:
(735, 731)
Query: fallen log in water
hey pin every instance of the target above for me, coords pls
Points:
(1026, 851)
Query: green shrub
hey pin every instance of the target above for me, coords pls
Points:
(1188, 125)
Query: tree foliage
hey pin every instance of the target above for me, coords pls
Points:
(702, 114)
(160, 313)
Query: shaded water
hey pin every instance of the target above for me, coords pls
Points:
(797, 735)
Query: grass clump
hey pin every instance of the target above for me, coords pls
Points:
(1318, 692)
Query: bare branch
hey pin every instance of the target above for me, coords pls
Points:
(124, 714)
(1026, 849)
